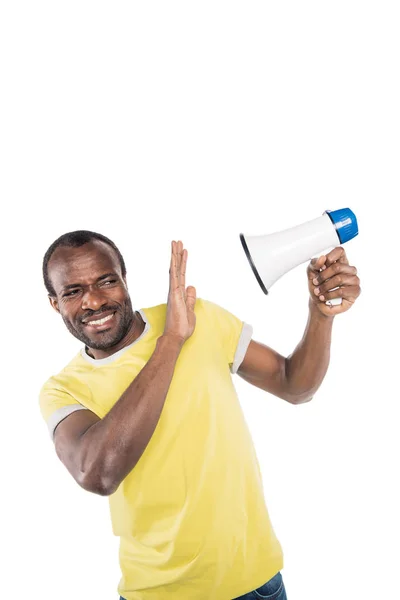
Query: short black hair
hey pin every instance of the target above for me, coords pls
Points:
(75, 239)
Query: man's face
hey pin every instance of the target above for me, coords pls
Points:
(91, 294)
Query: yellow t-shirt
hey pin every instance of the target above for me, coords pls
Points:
(191, 514)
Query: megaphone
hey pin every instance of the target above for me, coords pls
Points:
(272, 255)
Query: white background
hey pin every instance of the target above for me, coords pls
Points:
(198, 121)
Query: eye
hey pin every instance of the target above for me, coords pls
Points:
(71, 293)
(109, 281)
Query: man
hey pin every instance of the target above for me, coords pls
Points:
(148, 415)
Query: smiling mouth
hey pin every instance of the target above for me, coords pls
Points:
(98, 322)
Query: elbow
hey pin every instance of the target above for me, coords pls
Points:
(97, 486)
(94, 474)
(301, 399)
(297, 398)
(96, 483)
(290, 393)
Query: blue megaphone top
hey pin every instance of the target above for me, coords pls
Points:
(345, 223)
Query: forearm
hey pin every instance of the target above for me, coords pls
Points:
(307, 365)
(113, 446)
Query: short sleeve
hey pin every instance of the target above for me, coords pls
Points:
(235, 334)
(56, 404)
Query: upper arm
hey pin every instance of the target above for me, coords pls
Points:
(68, 442)
(232, 333)
(67, 420)
(256, 363)
(266, 369)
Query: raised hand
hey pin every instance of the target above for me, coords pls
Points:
(329, 272)
(181, 319)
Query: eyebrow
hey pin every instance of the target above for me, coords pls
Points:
(76, 285)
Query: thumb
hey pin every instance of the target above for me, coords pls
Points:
(190, 297)
(317, 263)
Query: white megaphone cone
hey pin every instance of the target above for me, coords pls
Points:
(273, 255)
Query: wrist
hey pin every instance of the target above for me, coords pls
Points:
(317, 314)
(171, 341)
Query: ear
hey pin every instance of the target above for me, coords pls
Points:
(54, 303)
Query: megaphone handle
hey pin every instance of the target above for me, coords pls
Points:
(333, 301)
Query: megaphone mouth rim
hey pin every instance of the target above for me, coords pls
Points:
(249, 258)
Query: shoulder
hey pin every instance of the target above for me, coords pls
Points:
(215, 312)
(63, 380)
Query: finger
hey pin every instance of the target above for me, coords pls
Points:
(182, 275)
(316, 265)
(173, 270)
(331, 310)
(190, 297)
(348, 292)
(335, 269)
(337, 281)
(171, 262)
(179, 262)
(337, 254)
(179, 254)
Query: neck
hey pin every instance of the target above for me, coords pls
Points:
(135, 330)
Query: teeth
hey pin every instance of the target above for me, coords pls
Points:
(101, 321)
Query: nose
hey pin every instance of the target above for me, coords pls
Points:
(92, 299)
